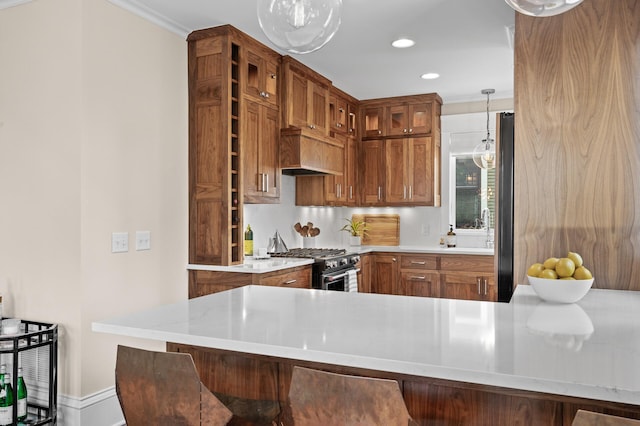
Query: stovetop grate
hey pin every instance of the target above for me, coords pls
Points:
(312, 253)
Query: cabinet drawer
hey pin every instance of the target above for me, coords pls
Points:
(418, 261)
(298, 278)
(467, 263)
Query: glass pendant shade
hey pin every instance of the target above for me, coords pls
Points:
(484, 154)
(299, 26)
(543, 7)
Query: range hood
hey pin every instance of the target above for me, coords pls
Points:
(304, 152)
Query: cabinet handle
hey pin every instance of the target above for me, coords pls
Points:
(416, 262)
(289, 282)
(351, 192)
(485, 286)
(266, 186)
(273, 76)
(338, 191)
(411, 192)
(418, 277)
(478, 279)
(262, 182)
(264, 94)
(338, 125)
(404, 192)
(379, 193)
(312, 126)
(341, 109)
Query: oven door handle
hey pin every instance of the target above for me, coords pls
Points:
(338, 276)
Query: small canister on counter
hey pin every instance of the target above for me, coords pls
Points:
(451, 237)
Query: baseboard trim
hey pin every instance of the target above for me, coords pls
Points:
(98, 409)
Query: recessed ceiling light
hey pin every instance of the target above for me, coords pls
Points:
(430, 76)
(402, 43)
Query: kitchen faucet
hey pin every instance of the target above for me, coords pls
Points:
(486, 223)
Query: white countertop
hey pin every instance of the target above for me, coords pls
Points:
(259, 266)
(590, 349)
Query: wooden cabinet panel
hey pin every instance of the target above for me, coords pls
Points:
(448, 405)
(419, 261)
(306, 98)
(261, 75)
(296, 278)
(364, 276)
(372, 121)
(456, 262)
(384, 271)
(260, 153)
(372, 172)
(410, 166)
(419, 283)
(202, 283)
(468, 285)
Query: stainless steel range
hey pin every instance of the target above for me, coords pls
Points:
(331, 268)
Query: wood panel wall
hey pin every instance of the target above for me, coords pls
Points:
(577, 140)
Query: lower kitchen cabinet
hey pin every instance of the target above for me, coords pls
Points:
(469, 286)
(468, 277)
(384, 274)
(207, 282)
(364, 275)
(419, 275)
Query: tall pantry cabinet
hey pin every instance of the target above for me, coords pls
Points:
(233, 134)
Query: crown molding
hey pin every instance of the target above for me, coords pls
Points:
(5, 4)
(148, 14)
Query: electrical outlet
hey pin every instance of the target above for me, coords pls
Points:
(425, 229)
(143, 240)
(119, 242)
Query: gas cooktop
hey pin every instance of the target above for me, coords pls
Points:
(312, 253)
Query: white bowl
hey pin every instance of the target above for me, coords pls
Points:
(560, 291)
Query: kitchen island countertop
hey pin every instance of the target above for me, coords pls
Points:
(588, 350)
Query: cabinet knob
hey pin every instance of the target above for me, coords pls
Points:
(273, 76)
(404, 130)
(341, 109)
(312, 126)
(379, 132)
(394, 259)
(264, 94)
(410, 130)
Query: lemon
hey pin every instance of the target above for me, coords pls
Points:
(568, 278)
(550, 263)
(548, 274)
(565, 267)
(535, 269)
(577, 259)
(582, 273)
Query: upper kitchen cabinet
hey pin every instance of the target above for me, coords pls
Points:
(306, 98)
(416, 115)
(260, 153)
(412, 171)
(343, 113)
(215, 196)
(261, 67)
(372, 121)
(372, 171)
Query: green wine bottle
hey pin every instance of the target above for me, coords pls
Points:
(21, 396)
(3, 371)
(6, 402)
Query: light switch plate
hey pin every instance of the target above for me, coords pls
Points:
(119, 242)
(143, 240)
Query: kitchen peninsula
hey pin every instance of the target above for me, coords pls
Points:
(458, 361)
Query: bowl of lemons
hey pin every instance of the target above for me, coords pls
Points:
(560, 280)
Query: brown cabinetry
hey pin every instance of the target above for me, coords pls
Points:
(372, 121)
(207, 282)
(261, 172)
(468, 277)
(413, 119)
(372, 165)
(343, 112)
(410, 166)
(306, 98)
(261, 69)
(419, 275)
(384, 274)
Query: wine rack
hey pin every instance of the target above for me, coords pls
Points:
(234, 166)
(35, 349)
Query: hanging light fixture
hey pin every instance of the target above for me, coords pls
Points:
(484, 154)
(543, 7)
(299, 26)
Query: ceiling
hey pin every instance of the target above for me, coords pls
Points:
(466, 41)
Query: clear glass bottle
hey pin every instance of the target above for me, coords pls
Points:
(6, 402)
(21, 396)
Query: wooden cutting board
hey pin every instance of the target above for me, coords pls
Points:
(382, 229)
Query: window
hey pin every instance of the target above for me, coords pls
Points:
(472, 188)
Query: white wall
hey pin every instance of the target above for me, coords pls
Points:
(93, 139)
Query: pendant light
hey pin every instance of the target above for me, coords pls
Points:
(299, 26)
(484, 154)
(542, 7)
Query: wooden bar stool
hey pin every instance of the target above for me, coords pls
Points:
(318, 398)
(588, 418)
(163, 388)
